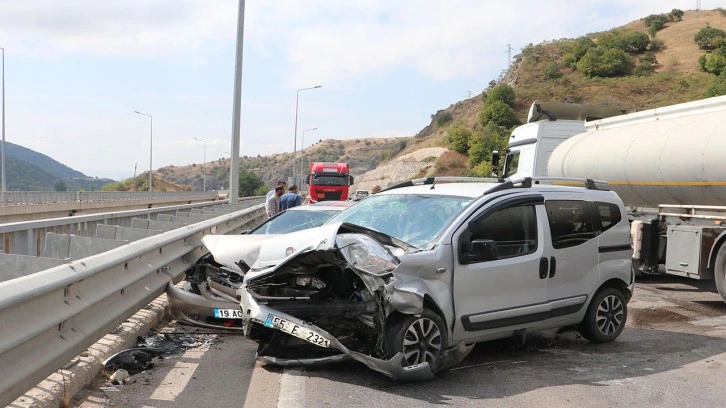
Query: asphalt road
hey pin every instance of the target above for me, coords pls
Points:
(671, 354)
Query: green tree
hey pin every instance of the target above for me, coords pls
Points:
(582, 44)
(713, 63)
(708, 38)
(249, 183)
(615, 62)
(498, 113)
(627, 40)
(600, 62)
(676, 15)
(718, 86)
(655, 23)
(551, 71)
(501, 92)
(459, 139)
(483, 143)
(60, 185)
(442, 117)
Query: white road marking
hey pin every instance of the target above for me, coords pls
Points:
(292, 389)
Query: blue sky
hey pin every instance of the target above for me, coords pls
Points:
(76, 70)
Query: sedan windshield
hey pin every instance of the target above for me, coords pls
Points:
(416, 219)
(294, 220)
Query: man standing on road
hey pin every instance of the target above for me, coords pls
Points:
(272, 204)
(280, 183)
(290, 199)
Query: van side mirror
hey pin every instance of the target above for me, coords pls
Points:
(481, 250)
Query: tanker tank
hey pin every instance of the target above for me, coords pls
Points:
(670, 155)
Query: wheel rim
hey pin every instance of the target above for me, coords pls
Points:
(422, 342)
(609, 316)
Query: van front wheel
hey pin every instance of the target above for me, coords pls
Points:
(605, 317)
(420, 338)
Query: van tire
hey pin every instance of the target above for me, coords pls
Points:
(605, 317)
(420, 338)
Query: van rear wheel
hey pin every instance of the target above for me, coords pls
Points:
(605, 316)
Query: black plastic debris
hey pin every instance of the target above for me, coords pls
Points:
(133, 360)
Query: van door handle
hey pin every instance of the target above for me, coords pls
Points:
(553, 266)
(544, 266)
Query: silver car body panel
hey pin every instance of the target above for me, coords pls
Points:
(228, 250)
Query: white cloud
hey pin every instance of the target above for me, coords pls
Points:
(442, 40)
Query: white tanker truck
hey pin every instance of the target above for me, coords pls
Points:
(667, 164)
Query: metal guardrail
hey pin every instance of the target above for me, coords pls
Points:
(46, 197)
(28, 237)
(51, 316)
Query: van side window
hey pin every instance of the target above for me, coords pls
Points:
(513, 231)
(570, 222)
(608, 215)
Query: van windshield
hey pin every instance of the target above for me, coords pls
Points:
(417, 219)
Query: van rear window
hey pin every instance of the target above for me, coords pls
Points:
(608, 214)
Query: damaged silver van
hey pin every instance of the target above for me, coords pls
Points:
(407, 280)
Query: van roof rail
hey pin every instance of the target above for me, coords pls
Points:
(503, 184)
(444, 179)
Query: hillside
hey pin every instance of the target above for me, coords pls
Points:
(141, 183)
(362, 154)
(540, 72)
(28, 170)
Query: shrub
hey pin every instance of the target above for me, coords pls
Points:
(713, 63)
(482, 143)
(718, 86)
(646, 65)
(708, 38)
(250, 183)
(599, 62)
(501, 92)
(498, 113)
(441, 118)
(582, 44)
(655, 23)
(459, 139)
(627, 40)
(656, 44)
(551, 71)
(676, 15)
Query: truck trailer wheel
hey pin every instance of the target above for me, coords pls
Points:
(719, 272)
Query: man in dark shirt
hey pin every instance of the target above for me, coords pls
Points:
(290, 199)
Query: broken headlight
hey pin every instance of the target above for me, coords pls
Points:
(366, 254)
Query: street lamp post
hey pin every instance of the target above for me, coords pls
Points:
(294, 145)
(2, 147)
(204, 170)
(302, 154)
(151, 144)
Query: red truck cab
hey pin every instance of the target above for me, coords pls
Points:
(329, 181)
